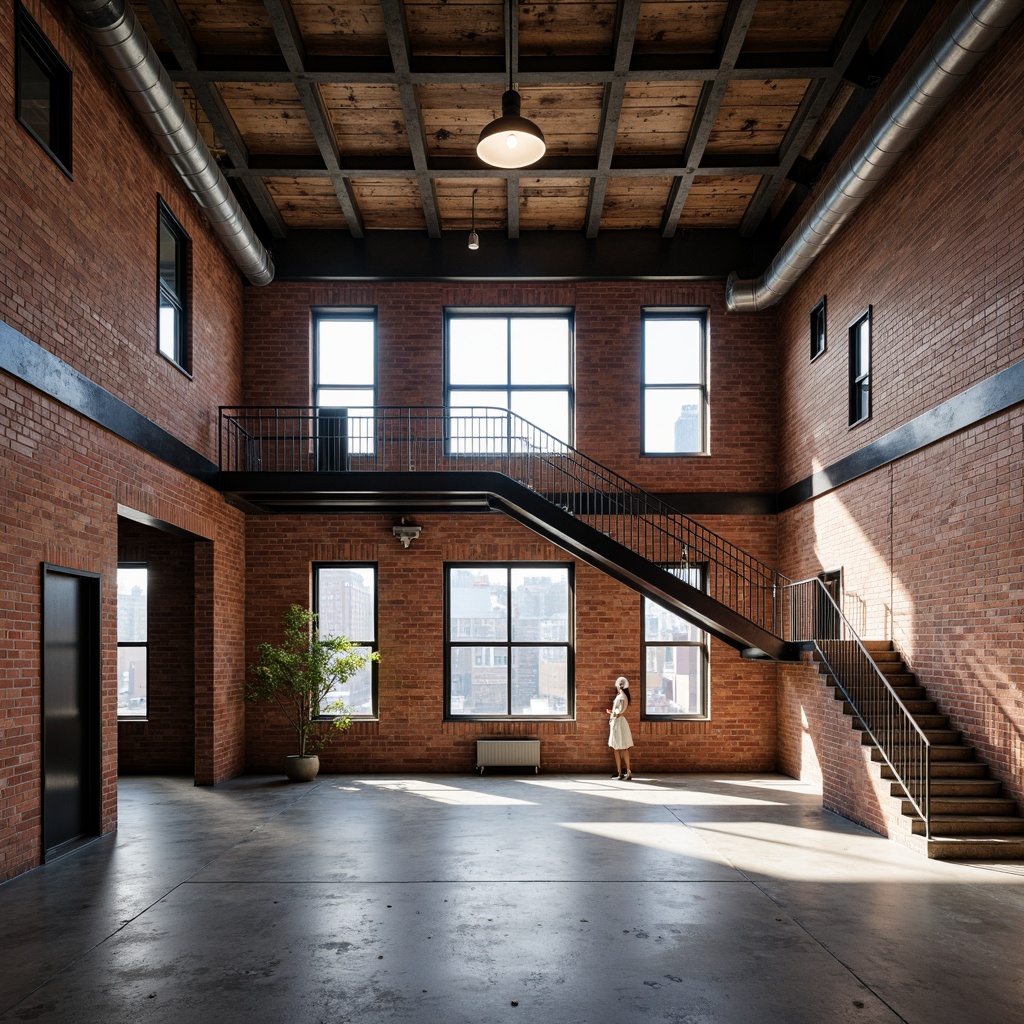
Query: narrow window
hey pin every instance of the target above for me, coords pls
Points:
(499, 362)
(43, 91)
(132, 639)
(509, 641)
(345, 384)
(860, 368)
(345, 600)
(675, 387)
(818, 333)
(173, 286)
(675, 658)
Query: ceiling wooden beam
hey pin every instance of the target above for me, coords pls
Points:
(734, 31)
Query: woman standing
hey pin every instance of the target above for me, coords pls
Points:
(620, 739)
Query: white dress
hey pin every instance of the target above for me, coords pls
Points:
(619, 736)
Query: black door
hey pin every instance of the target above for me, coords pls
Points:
(826, 612)
(71, 706)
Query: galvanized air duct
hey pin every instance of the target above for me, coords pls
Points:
(116, 31)
(971, 31)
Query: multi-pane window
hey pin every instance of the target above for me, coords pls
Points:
(509, 641)
(43, 91)
(345, 600)
(860, 368)
(519, 362)
(675, 658)
(173, 285)
(818, 331)
(345, 384)
(132, 639)
(675, 382)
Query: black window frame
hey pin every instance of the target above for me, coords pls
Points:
(374, 645)
(703, 644)
(701, 314)
(506, 391)
(177, 297)
(569, 644)
(859, 376)
(819, 329)
(31, 43)
(144, 644)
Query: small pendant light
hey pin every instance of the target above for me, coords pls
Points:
(474, 238)
(511, 140)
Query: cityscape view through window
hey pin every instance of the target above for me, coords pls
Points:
(132, 640)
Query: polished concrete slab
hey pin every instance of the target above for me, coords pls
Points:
(469, 900)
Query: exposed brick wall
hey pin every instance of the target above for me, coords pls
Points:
(78, 271)
(931, 545)
(743, 385)
(411, 734)
(165, 740)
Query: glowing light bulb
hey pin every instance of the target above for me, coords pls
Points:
(511, 141)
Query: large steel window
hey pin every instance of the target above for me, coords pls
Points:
(132, 639)
(675, 658)
(509, 641)
(519, 362)
(345, 600)
(345, 384)
(675, 382)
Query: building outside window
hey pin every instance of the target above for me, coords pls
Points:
(43, 91)
(519, 362)
(675, 382)
(509, 641)
(132, 639)
(345, 384)
(345, 600)
(860, 368)
(675, 659)
(173, 287)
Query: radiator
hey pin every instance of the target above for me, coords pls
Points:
(508, 753)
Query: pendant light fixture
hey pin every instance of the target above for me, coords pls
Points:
(511, 140)
(474, 238)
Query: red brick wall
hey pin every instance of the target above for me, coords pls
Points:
(411, 734)
(165, 741)
(931, 545)
(78, 263)
(743, 384)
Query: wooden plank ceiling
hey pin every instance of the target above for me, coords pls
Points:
(361, 116)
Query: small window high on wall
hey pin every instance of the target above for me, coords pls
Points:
(173, 285)
(43, 91)
(860, 368)
(675, 382)
(132, 639)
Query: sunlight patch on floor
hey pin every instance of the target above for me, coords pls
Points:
(452, 795)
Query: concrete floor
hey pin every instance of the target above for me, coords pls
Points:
(468, 900)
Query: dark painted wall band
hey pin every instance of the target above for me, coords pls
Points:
(45, 372)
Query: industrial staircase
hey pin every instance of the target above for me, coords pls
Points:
(302, 459)
(970, 817)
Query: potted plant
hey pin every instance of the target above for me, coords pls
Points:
(297, 675)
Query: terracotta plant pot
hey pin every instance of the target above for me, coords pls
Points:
(302, 767)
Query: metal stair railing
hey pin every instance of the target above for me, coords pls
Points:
(813, 615)
(303, 439)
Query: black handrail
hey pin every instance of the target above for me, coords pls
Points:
(302, 438)
(813, 615)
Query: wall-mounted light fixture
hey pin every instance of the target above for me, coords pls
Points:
(474, 238)
(511, 140)
(405, 532)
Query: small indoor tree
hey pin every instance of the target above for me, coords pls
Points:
(297, 675)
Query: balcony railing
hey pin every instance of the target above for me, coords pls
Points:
(812, 613)
(438, 440)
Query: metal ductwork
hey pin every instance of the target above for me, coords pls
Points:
(971, 30)
(116, 31)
